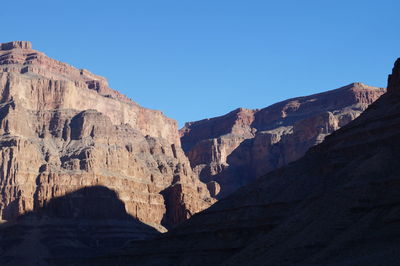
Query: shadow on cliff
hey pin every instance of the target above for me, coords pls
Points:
(91, 221)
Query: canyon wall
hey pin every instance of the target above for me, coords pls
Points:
(231, 151)
(63, 129)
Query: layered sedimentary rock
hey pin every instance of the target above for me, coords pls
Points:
(63, 129)
(337, 205)
(232, 150)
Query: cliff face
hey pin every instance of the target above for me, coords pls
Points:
(232, 150)
(337, 205)
(63, 129)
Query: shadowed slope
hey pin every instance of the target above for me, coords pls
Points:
(339, 204)
(87, 222)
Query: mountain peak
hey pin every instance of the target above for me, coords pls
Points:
(394, 78)
(15, 44)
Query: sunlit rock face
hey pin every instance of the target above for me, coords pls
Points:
(230, 151)
(62, 129)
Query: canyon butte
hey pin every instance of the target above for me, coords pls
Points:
(85, 170)
(339, 204)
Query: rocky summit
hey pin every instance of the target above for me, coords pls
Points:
(231, 151)
(64, 131)
(337, 205)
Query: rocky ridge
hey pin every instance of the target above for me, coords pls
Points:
(231, 151)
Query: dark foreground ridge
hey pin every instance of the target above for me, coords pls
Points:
(337, 205)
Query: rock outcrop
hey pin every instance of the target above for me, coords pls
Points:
(63, 129)
(337, 205)
(232, 150)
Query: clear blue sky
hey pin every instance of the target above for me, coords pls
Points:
(199, 59)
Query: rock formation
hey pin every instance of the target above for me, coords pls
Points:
(337, 205)
(63, 129)
(232, 150)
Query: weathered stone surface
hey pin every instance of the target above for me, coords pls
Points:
(236, 148)
(63, 129)
(337, 205)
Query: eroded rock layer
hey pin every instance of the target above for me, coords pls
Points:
(63, 129)
(232, 150)
(337, 205)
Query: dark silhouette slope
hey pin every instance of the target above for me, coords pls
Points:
(337, 205)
